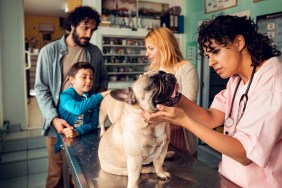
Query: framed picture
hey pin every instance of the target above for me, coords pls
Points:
(119, 7)
(256, 1)
(216, 5)
(271, 25)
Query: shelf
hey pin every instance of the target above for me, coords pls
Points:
(156, 1)
(124, 73)
(126, 64)
(120, 84)
(122, 46)
(135, 55)
(124, 58)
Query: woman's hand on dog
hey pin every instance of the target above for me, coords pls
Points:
(165, 114)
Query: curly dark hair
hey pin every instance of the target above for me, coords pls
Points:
(82, 13)
(225, 28)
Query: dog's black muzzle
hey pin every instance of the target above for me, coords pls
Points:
(166, 86)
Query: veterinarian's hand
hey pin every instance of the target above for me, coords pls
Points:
(168, 114)
(150, 117)
(70, 132)
(60, 124)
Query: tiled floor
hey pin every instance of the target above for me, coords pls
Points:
(31, 181)
(37, 180)
(33, 159)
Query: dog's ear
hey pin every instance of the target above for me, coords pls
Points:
(124, 95)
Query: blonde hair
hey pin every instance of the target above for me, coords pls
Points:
(166, 42)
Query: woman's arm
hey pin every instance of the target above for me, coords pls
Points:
(224, 144)
(211, 118)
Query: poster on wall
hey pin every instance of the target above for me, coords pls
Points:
(216, 5)
(119, 7)
(271, 24)
(152, 10)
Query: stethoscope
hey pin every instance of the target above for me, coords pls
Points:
(229, 121)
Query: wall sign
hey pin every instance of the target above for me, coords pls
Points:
(271, 25)
(45, 27)
(216, 5)
(119, 7)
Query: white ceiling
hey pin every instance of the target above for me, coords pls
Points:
(45, 7)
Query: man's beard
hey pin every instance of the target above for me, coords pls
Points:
(76, 39)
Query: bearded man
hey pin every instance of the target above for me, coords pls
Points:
(53, 64)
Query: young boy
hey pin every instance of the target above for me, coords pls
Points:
(78, 105)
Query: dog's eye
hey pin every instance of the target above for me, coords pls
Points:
(154, 82)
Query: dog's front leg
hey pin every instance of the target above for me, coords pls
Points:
(159, 161)
(134, 166)
(102, 120)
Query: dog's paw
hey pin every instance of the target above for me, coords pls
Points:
(164, 175)
(169, 154)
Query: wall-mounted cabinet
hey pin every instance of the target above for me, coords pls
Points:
(124, 57)
(124, 54)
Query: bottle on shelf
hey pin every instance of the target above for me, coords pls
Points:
(124, 57)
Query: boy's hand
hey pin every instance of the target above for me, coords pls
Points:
(70, 132)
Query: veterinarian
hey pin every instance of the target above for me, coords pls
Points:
(250, 107)
(164, 54)
(78, 105)
(53, 63)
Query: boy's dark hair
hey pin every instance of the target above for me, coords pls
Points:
(225, 28)
(82, 13)
(77, 66)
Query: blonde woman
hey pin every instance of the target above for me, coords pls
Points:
(164, 54)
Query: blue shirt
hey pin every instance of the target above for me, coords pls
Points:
(48, 81)
(82, 111)
(72, 105)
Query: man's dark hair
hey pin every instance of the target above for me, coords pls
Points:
(82, 13)
(77, 66)
(225, 28)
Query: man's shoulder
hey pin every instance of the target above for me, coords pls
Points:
(56, 44)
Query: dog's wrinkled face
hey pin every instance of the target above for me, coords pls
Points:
(150, 89)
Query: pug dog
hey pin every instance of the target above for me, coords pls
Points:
(131, 142)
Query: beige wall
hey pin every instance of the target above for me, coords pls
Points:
(32, 28)
(72, 4)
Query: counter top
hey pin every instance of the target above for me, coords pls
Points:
(81, 157)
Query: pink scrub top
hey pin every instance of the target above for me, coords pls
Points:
(259, 130)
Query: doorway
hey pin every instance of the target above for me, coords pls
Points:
(34, 116)
(37, 16)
